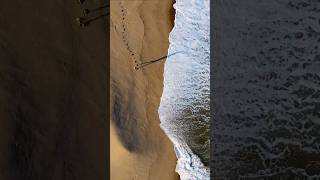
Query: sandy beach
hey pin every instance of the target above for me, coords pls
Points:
(139, 148)
(53, 100)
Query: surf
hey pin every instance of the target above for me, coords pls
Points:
(185, 102)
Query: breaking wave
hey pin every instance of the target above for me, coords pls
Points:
(185, 103)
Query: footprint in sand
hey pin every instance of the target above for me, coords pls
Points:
(124, 34)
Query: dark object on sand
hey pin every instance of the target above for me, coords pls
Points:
(88, 11)
(143, 64)
(80, 1)
(82, 22)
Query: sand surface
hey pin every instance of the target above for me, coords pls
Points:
(53, 100)
(139, 148)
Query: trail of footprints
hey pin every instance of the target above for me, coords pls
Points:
(124, 35)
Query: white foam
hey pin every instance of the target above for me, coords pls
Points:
(187, 81)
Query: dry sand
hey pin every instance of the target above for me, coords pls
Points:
(53, 100)
(139, 148)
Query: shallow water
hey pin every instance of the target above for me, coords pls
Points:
(184, 108)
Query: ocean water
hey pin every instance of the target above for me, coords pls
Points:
(266, 90)
(185, 103)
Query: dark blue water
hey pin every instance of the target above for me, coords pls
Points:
(266, 122)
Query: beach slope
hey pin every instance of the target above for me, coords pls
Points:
(139, 148)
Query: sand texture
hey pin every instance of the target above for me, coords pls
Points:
(53, 100)
(139, 148)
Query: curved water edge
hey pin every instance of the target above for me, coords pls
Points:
(185, 103)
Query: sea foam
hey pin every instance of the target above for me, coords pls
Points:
(185, 105)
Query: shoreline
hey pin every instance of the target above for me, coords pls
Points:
(140, 149)
(178, 119)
